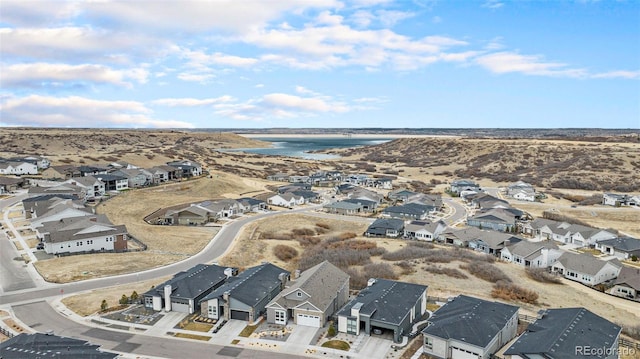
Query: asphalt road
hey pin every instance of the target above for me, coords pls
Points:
(41, 317)
(459, 214)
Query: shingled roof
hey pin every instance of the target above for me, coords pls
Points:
(39, 345)
(560, 332)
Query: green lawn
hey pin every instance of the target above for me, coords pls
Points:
(336, 344)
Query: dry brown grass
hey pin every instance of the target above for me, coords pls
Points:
(14, 325)
(89, 303)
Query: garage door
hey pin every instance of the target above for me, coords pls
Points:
(179, 307)
(308, 320)
(462, 354)
(236, 314)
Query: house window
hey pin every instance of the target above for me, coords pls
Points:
(280, 317)
(428, 343)
(148, 302)
(299, 294)
(352, 326)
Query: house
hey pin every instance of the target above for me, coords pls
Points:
(566, 333)
(402, 195)
(183, 292)
(191, 215)
(311, 297)
(113, 182)
(309, 196)
(496, 219)
(298, 179)
(91, 186)
(491, 242)
(294, 187)
(566, 233)
(11, 184)
(62, 172)
(367, 205)
(136, 177)
(18, 168)
(161, 174)
(409, 211)
(468, 327)
(44, 202)
(56, 210)
(245, 296)
(531, 254)
(586, 269)
(486, 201)
(614, 199)
(357, 179)
(286, 200)
(279, 177)
(424, 230)
(431, 200)
(461, 185)
(384, 305)
(627, 285)
(460, 237)
(363, 193)
(40, 161)
(188, 168)
(83, 234)
(92, 170)
(252, 204)
(621, 247)
(385, 227)
(521, 191)
(344, 208)
(381, 182)
(41, 345)
(63, 188)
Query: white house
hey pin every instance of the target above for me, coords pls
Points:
(531, 254)
(82, 234)
(585, 268)
(621, 247)
(18, 168)
(424, 230)
(563, 232)
(522, 191)
(286, 200)
(93, 187)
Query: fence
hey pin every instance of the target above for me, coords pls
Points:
(628, 343)
(527, 318)
(6, 332)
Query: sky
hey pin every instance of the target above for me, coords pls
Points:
(320, 63)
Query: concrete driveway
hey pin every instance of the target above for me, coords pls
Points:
(300, 338)
(375, 347)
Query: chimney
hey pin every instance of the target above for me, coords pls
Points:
(507, 242)
(296, 274)
(283, 279)
(226, 295)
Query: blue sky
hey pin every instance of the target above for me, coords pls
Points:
(320, 63)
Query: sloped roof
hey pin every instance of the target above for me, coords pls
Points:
(496, 215)
(560, 331)
(430, 226)
(343, 205)
(321, 282)
(629, 276)
(584, 263)
(471, 320)
(193, 282)
(623, 244)
(527, 248)
(381, 225)
(39, 345)
(387, 301)
(252, 285)
(413, 209)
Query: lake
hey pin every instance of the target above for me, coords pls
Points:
(301, 146)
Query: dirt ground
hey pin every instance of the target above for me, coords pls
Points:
(89, 303)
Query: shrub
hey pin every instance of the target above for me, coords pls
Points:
(510, 291)
(303, 232)
(405, 267)
(347, 235)
(104, 305)
(541, 275)
(451, 272)
(632, 332)
(134, 295)
(357, 280)
(331, 332)
(323, 225)
(486, 271)
(124, 299)
(379, 270)
(284, 252)
(308, 241)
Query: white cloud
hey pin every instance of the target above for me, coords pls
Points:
(507, 62)
(620, 74)
(74, 43)
(305, 104)
(259, 86)
(202, 78)
(41, 74)
(75, 111)
(389, 18)
(436, 19)
(493, 4)
(42, 13)
(192, 102)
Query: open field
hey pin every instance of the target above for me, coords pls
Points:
(89, 303)
(166, 244)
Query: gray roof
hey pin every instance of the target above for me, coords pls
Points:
(560, 331)
(75, 228)
(430, 226)
(39, 345)
(387, 301)
(528, 249)
(321, 282)
(381, 225)
(110, 177)
(364, 202)
(54, 206)
(62, 188)
(496, 240)
(193, 282)
(471, 320)
(412, 209)
(584, 263)
(497, 215)
(86, 181)
(343, 205)
(464, 182)
(252, 285)
(629, 276)
(623, 244)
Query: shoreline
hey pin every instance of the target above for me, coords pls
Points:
(337, 135)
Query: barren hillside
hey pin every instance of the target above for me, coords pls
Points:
(559, 164)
